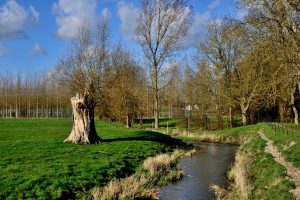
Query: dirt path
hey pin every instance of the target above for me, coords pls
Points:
(293, 172)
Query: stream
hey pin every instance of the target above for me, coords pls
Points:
(208, 166)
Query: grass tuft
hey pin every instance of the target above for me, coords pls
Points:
(133, 187)
(158, 163)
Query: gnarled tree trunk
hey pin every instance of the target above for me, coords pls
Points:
(84, 130)
(293, 105)
(244, 108)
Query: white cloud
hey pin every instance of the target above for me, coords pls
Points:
(197, 29)
(128, 15)
(3, 51)
(38, 50)
(14, 18)
(105, 14)
(35, 15)
(214, 4)
(72, 14)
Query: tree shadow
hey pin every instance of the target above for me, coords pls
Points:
(151, 136)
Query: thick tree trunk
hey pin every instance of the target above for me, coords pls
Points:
(293, 105)
(253, 117)
(244, 108)
(282, 112)
(84, 130)
(244, 117)
(141, 121)
(296, 119)
(128, 121)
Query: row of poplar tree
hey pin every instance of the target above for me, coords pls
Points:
(242, 66)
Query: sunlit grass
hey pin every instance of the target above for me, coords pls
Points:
(287, 142)
(35, 163)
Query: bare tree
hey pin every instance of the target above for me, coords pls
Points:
(160, 27)
(82, 71)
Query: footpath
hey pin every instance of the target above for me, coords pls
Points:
(292, 171)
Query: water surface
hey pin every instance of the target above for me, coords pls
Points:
(208, 166)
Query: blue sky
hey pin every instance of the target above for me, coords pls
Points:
(34, 34)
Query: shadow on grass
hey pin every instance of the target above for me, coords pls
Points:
(150, 136)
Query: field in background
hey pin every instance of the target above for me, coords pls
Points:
(195, 123)
(35, 163)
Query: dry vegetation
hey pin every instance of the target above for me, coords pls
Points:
(143, 184)
(240, 186)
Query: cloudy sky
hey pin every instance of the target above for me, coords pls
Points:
(34, 34)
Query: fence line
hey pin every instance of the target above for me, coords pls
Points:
(284, 128)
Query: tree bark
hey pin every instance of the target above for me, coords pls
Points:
(219, 117)
(230, 117)
(244, 108)
(141, 120)
(128, 121)
(156, 114)
(244, 117)
(156, 97)
(84, 130)
(170, 110)
(293, 105)
(282, 112)
(253, 119)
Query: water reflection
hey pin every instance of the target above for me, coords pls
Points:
(208, 166)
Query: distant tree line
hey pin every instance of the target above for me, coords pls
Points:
(35, 96)
(243, 68)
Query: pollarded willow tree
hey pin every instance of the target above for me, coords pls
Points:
(160, 28)
(82, 71)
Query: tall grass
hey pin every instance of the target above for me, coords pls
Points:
(143, 184)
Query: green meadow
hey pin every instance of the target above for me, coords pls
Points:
(35, 163)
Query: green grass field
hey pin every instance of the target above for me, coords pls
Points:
(163, 122)
(35, 163)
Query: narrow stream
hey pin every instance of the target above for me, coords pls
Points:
(208, 166)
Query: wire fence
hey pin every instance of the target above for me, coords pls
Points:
(288, 128)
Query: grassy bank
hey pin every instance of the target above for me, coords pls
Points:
(233, 136)
(255, 174)
(154, 172)
(287, 143)
(35, 163)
